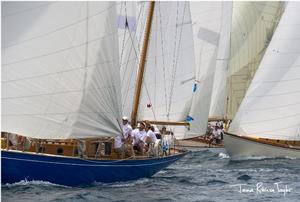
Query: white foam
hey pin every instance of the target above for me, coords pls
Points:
(32, 182)
(223, 156)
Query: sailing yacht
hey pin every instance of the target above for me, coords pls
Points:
(267, 122)
(61, 87)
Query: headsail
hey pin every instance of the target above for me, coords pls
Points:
(218, 99)
(271, 106)
(207, 21)
(60, 72)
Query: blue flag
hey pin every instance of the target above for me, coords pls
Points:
(195, 87)
(189, 118)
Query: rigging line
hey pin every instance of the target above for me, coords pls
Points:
(56, 30)
(176, 59)
(141, 14)
(163, 58)
(132, 42)
(135, 59)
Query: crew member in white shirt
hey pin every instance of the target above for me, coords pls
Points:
(138, 136)
(151, 141)
(127, 130)
(124, 138)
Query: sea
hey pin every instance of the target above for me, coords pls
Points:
(202, 175)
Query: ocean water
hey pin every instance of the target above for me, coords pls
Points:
(202, 175)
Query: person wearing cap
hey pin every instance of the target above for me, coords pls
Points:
(127, 130)
(138, 136)
(122, 140)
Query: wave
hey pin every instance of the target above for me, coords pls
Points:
(123, 184)
(262, 158)
(31, 182)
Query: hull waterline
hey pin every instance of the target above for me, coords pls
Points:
(243, 148)
(17, 166)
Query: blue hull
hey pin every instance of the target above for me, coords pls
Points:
(17, 166)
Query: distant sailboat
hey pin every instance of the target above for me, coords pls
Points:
(61, 81)
(267, 122)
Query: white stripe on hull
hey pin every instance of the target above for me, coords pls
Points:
(239, 148)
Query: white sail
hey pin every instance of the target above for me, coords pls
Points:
(253, 25)
(271, 106)
(218, 100)
(60, 69)
(207, 21)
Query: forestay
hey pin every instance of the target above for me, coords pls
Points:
(271, 106)
(60, 69)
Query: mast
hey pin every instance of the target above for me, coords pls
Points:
(140, 74)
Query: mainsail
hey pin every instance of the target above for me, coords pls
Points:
(60, 73)
(271, 106)
(253, 25)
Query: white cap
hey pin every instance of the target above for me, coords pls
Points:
(125, 118)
